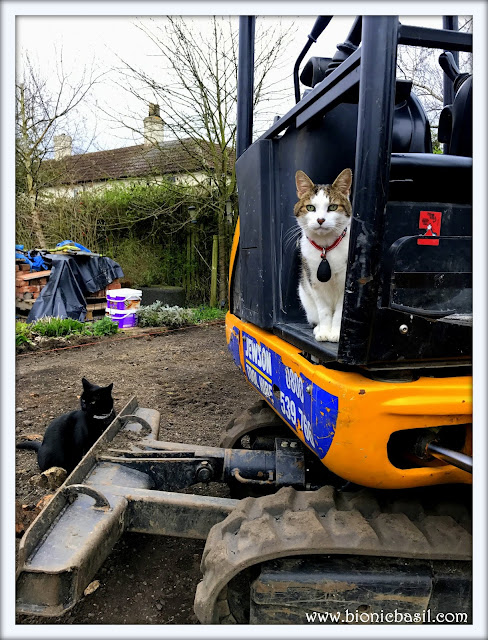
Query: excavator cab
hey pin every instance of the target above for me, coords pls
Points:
(408, 287)
(407, 314)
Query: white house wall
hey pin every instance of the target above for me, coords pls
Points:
(73, 190)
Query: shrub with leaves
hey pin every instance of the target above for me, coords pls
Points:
(57, 327)
(104, 327)
(23, 334)
(162, 315)
(144, 227)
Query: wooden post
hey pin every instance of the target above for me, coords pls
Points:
(213, 281)
(193, 258)
(188, 262)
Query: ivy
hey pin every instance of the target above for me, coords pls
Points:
(159, 232)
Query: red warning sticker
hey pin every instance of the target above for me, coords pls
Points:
(431, 222)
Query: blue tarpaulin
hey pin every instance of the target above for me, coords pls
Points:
(71, 279)
(33, 258)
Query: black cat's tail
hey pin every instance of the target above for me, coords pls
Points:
(29, 444)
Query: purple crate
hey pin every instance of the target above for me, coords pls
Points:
(124, 299)
(125, 320)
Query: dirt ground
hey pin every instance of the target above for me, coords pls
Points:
(190, 377)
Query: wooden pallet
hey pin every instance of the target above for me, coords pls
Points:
(92, 309)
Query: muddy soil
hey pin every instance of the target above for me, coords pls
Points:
(190, 377)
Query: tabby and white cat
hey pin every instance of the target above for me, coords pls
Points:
(323, 213)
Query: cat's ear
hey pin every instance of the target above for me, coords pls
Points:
(110, 387)
(343, 182)
(86, 385)
(304, 184)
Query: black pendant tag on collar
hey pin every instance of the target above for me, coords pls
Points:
(324, 273)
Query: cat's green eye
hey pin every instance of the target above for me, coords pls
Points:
(332, 207)
(310, 207)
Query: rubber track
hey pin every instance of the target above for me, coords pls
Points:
(290, 523)
(258, 416)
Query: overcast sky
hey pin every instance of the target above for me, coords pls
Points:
(101, 41)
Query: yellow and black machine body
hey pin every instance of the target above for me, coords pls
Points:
(376, 406)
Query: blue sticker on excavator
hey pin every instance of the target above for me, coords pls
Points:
(234, 346)
(258, 366)
(325, 410)
(304, 406)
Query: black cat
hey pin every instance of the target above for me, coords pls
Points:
(69, 437)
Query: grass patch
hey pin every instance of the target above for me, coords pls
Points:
(28, 335)
(208, 314)
(154, 315)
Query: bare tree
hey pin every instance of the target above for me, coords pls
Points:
(40, 112)
(422, 67)
(197, 93)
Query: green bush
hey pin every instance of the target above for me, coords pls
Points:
(104, 327)
(144, 227)
(141, 261)
(57, 327)
(162, 315)
(23, 334)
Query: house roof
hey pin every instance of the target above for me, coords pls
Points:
(172, 157)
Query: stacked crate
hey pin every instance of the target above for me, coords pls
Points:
(96, 302)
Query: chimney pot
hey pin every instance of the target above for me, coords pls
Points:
(154, 109)
(153, 127)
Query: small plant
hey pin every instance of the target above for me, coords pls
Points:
(104, 327)
(162, 315)
(23, 334)
(57, 327)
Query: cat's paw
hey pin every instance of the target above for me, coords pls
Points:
(326, 335)
(321, 334)
(334, 335)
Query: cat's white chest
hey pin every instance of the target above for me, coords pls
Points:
(336, 257)
(322, 301)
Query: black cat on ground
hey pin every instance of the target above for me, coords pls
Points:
(70, 436)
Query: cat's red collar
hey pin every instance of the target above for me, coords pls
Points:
(325, 250)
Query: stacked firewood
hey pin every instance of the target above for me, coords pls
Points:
(28, 284)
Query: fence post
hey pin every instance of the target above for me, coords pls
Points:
(188, 262)
(213, 280)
